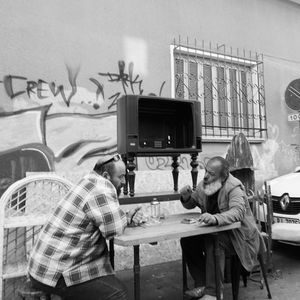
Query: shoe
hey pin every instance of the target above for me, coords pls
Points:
(209, 297)
(196, 292)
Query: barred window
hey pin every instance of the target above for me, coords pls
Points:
(229, 87)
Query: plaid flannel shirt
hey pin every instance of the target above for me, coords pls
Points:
(72, 243)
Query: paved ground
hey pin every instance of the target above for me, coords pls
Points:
(164, 281)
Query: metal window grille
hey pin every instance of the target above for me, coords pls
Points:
(230, 87)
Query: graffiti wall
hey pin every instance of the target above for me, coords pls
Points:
(51, 127)
(54, 127)
(60, 79)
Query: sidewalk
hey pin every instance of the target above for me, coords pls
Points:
(164, 281)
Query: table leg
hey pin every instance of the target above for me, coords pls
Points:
(184, 275)
(112, 253)
(136, 271)
(217, 266)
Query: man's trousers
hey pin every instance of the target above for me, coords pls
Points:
(102, 288)
(200, 258)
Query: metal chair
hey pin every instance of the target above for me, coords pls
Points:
(237, 270)
(262, 212)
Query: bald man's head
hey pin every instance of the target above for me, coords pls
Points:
(220, 166)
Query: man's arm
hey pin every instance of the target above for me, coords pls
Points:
(190, 199)
(135, 216)
(189, 203)
(105, 212)
(237, 208)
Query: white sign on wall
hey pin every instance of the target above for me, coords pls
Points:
(294, 117)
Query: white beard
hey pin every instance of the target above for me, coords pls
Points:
(211, 188)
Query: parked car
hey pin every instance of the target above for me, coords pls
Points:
(285, 191)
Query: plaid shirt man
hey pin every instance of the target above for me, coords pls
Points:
(72, 243)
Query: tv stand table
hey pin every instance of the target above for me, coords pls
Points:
(129, 158)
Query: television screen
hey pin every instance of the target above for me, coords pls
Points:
(164, 124)
(150, 125)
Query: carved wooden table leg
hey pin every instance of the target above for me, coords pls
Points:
(131, 174)
(175, 172)
(194, 164)
(125, 188)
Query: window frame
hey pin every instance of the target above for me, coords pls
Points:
(223, 135)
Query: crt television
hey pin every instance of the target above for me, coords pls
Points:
(149, 125)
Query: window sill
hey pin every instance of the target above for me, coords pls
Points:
(223, 139)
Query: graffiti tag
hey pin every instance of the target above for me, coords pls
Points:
(130, 84)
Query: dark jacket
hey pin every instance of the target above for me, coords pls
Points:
(234, 206)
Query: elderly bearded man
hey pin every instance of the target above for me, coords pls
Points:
(71, 258)
(222, 200)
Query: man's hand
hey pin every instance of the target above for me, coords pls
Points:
(135, 216)
(208, 219)
(186, 192)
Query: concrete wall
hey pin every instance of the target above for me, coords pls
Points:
(60, 75)
(67, 44)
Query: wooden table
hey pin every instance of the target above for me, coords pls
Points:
(168, 229)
